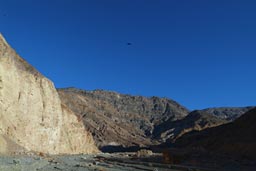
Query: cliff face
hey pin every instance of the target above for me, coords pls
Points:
(30, 110)
(116, 119)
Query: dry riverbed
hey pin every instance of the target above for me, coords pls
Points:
(100, 162)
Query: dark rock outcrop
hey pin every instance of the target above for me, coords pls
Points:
(235, 139)
(194, 121)
(228, 113)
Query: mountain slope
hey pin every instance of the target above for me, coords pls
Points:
(228, 113)
(115, 119)
(194, 121)
(235, 139)
(31, 113)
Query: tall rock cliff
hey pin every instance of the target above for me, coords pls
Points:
(31, 113)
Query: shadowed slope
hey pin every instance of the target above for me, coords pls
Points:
(194, 121)
(236, 138)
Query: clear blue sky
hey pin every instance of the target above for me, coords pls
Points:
(201, 53)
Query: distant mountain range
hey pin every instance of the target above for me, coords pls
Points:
(123, 120)
(197, 120)
(116, 119)
(236, 139)
(228, 113)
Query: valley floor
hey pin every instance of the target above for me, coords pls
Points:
(101, 162)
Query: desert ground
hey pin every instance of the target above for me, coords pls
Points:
(111, 162)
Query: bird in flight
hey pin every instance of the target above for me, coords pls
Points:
(3, 14)
(128, 44)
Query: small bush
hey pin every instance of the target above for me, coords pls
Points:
(144, 153)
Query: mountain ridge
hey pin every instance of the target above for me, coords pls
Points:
(228, 113)
(116, 113)
(235, 139)
(106, 108)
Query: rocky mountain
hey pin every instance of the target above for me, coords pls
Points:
(31, 113)
(124, 120)
(121, 120)
(194, 121)
(34, 116)
(228, 113)
(235, 139)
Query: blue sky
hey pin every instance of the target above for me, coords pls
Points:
(201, 53)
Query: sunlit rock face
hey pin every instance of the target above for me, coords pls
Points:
(119, 120)
(31, 113)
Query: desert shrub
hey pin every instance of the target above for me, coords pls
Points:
(144, 153)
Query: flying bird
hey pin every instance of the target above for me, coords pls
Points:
(129, 44)
(4, 15)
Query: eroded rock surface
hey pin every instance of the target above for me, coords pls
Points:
(236, 139)
(228, 113)
(195, 121)
(121, 120)
(31, 113)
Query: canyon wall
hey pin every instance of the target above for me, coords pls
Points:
(31, 113)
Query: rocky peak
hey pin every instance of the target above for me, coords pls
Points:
(2, 39)
(9, 55)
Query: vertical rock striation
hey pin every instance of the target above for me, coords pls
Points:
(31, 113)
